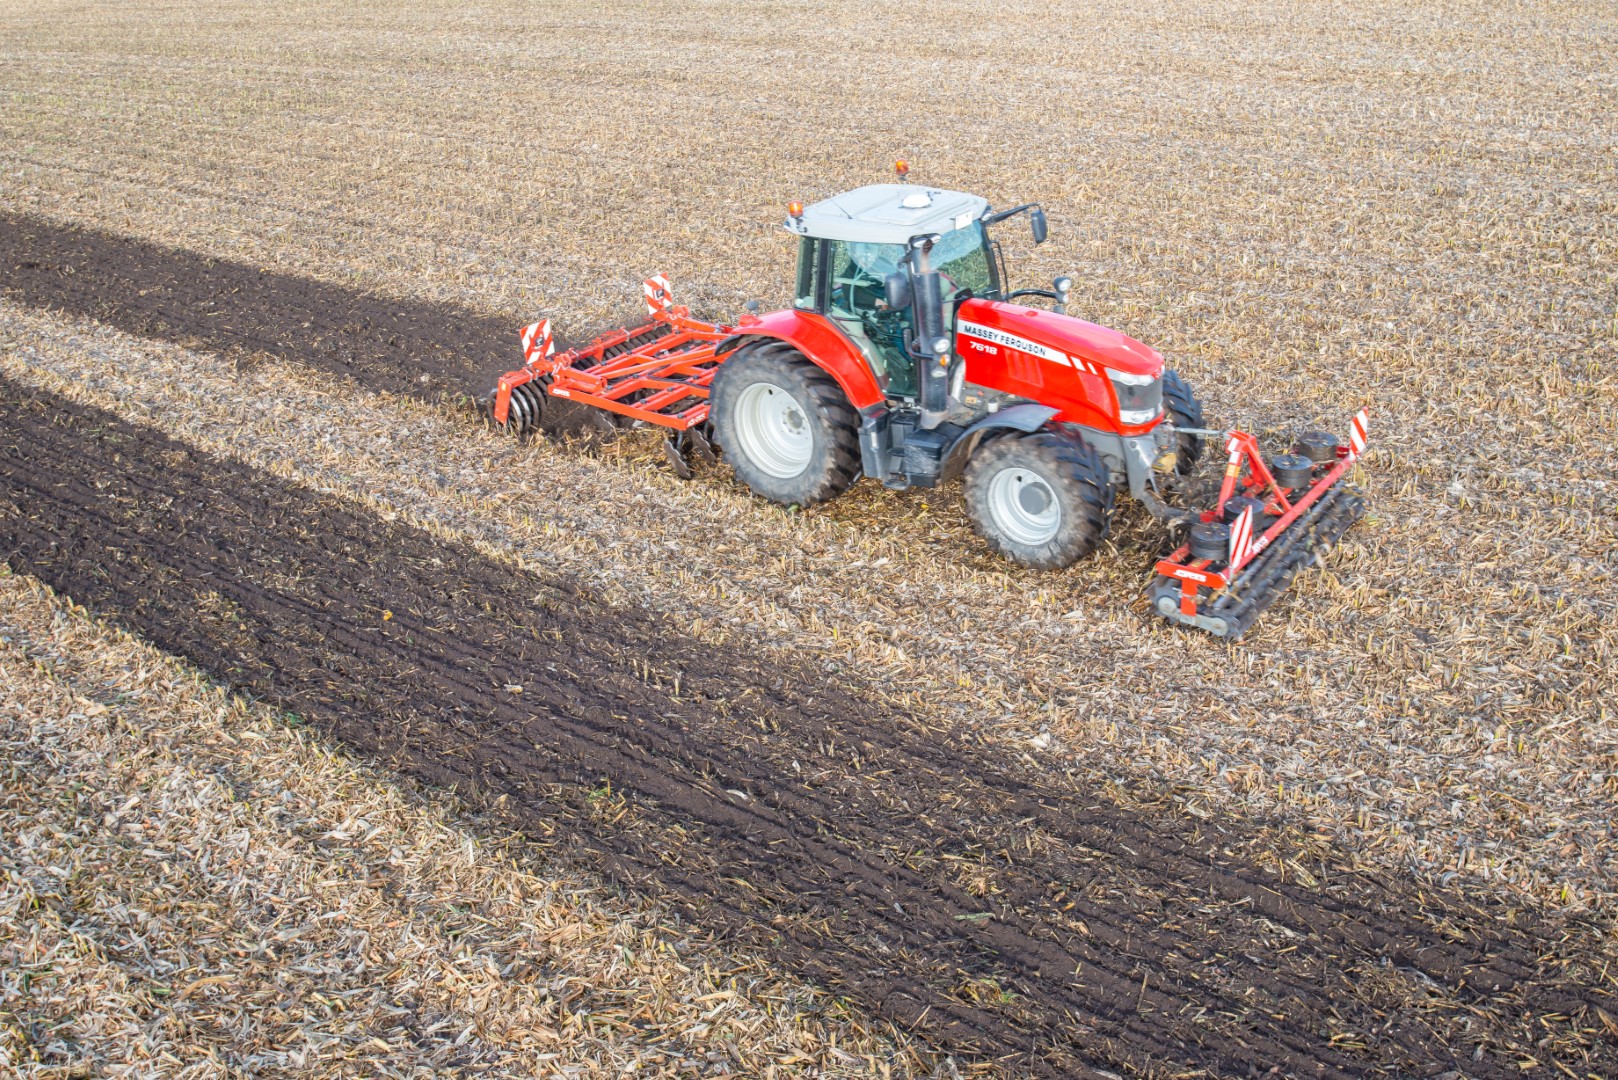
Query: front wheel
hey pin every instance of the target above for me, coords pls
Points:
(1186, 411)
(1042, 500)
(785, 425)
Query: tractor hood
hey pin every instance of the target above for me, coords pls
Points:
(1058, 338)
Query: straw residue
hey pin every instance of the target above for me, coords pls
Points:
(192, 886)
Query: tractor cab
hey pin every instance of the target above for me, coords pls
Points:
(890, 265)
(851, 244)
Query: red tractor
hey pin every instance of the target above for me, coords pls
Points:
(905, 358)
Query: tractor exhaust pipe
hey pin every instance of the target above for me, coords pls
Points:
(931, 347)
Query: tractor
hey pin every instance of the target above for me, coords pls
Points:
(906, 358)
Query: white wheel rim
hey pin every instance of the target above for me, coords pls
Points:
(1024, 507)
(774, 430)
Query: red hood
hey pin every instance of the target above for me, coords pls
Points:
(1075, 337)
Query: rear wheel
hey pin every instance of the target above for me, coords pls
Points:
(1042, 500)
(785, 425)
(1185, 410)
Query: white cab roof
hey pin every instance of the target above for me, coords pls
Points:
(888, 214)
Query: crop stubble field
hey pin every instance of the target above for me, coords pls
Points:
(1410, 206)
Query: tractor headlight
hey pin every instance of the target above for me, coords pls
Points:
(1129, 379)
(1140, 397)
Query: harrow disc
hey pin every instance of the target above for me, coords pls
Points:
(527, 407)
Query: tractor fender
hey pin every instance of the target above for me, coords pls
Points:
(818, 338)
(1026, 418)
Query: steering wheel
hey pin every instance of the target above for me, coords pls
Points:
(1046, 293)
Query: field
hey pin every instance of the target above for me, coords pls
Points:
(348, 737)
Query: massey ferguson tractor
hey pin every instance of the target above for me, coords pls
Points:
(905, 358)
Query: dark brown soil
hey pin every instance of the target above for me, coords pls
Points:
(998, 915)
(427, 350)
(190, 299)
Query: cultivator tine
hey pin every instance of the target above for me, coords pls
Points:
(676, 460)
(701, 446)
(677, 444)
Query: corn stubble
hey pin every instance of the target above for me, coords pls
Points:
(1305, 208)
(197, 887)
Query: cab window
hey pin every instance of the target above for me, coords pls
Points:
(962, 257)
(859, 275)
(858, 302)
(805, 296)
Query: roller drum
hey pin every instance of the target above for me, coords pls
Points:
(1236, 504)
(527, 405)
(1319, 447)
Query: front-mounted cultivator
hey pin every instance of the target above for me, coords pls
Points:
(905, 358)
(1270, 522)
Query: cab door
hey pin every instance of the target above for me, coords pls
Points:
(845, 282)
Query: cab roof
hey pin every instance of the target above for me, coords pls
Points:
(888, 214)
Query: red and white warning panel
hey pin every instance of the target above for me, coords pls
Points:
(659, 297)
(537, 342)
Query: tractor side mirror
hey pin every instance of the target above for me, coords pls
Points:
(1037, 222)
(898, 290)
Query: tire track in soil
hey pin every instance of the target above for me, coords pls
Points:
(994, 913)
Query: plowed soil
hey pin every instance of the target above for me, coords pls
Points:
(1000, 914)
(185, 297)
(414, 347)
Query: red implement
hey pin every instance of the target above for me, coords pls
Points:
(1222, 592)
(658, 372)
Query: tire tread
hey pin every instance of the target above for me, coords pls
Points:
(1182, 404)
(1087, 493)
(839, 421)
